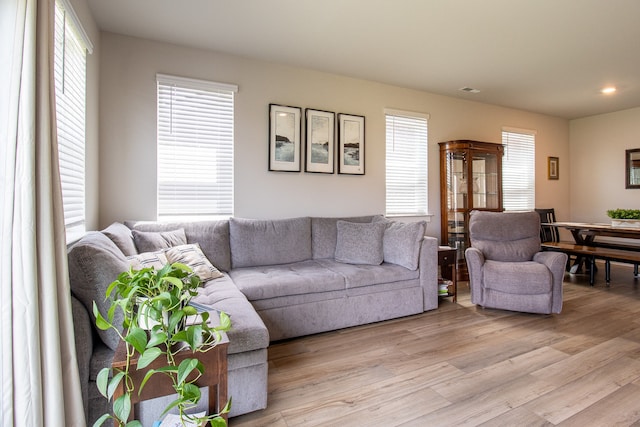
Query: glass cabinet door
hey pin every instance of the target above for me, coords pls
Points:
(484, 186)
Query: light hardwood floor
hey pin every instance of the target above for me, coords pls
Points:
(464, 365)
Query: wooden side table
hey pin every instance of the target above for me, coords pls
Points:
(214, 376)
(447, 260)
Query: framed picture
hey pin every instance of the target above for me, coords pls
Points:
(284, 138)
(320, 141)
(351, 152)
(554, 168)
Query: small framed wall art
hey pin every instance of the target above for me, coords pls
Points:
(553, 168)
(351, 153)
(320, 141)
(284, 138)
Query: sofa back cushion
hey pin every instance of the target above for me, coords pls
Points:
(121, 235)
(402, 241)
(212, 236)
(360, 243)
(268, 242)
(324, 234)
(505, 236)
(149, 241)
(94, 262)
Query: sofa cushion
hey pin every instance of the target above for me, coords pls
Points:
(192, 256)
(324, 234)
(148, 241)
(263, 282)
(121, 235)
(401, 242)
(94, 262)
(530, 277)
(360, 243)
(248, 332)
(356, 276)
(213, 237)
(269, 242)
(155, 260)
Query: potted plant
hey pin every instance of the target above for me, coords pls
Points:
(624, 217)
(158, 322)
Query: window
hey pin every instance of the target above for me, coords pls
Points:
(71, 44)
(195, 148)
(518, 170)
(406, 163)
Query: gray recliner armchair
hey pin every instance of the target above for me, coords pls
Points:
(507, 269)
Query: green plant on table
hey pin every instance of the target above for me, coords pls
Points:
(624, 213)
(158, 322)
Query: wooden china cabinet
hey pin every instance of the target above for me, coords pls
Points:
(470, 178)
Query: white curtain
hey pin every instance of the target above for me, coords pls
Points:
(38, 372)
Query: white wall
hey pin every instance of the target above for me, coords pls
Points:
(597, 151)
(128, 133)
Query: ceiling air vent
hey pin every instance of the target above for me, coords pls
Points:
(469, 90)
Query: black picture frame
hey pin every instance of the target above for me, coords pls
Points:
(284, 138)
(351, 144)
(320, 141)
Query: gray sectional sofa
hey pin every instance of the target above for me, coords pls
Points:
(280, 279)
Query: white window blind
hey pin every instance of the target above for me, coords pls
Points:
(195, 148)
(518, 170)
(71, 45)
(406, 163)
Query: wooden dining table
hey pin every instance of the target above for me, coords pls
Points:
(591, 234)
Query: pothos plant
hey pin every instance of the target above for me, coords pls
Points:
(158, 322)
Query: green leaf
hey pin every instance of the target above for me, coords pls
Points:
(122, 407)
(102, 380)
(190, 310)
(181, 266)
(194, 336)
(101, 323)
(185, 368)
(101, 420)
(180, 336)
(134, 423)
(174, 281)
(225, 321)
(171, 406)
(191, 393)
(113, 384)
(137, 337)
(218, 422)
(148, 375)
(148, 357)
(175, 319)
(156, 338)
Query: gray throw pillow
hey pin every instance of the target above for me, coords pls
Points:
(121, 235)
(401, 242)
(360, 243)
(150, 241)
(94, 262)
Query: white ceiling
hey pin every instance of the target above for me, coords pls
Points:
(545, 56)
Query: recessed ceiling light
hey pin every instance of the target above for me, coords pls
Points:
(608, 90)
(469, 90)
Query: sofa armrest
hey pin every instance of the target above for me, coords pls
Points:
(475, 262)
(83, 333)
(556, 263)
(428, 266)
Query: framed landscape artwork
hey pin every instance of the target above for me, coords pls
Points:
(284, 138)
(320, 143)
(553, 168)
(351, 152)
